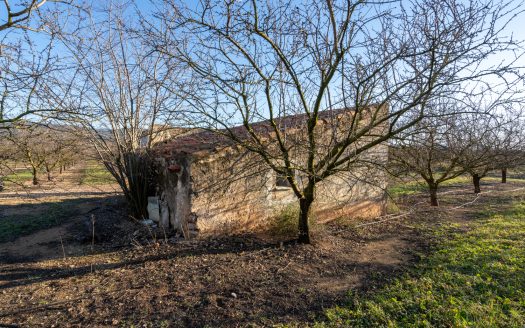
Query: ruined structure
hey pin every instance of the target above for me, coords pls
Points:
(206, 184)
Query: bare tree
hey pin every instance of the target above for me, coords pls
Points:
(43, 148)
(61, 147)
(17, 15)
(465, 135)
(510, 143)
(28, 151)
(425, 151)
(24, 79)
(486, 143)
(121, 92)
(252, 61)
(28, 58)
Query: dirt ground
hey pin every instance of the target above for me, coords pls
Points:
(249, 280)
(65, 194)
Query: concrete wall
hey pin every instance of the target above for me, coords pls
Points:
(229, 190)
(175, 193)
(232, 195)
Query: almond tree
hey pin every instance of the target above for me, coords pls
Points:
(464, 135)
(486, 143)
(425, 152)
(120, 91)
(28, 150)
(252, 61)
(28, 58)
(25, 78)
(17, 15)
(511, 141)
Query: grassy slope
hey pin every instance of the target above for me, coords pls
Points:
(473, 279)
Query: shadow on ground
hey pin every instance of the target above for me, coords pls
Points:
(35, 231)
(220, 283)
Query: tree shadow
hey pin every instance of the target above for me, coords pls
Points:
(45, 230)
(277, 290)
(26, 275)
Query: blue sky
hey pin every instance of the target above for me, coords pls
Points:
(516, 29)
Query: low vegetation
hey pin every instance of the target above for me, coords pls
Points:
(22, 221)
(96, 174)
(285, 222)
(473, 278)
(18, 178)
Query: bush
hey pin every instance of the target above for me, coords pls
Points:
(286, 221)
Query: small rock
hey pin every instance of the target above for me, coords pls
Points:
(147, 222)
(234, 295)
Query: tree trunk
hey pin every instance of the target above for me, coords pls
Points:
(48, 171)
(504, 175)
(476, 179)
(433, 195)
(304, 230)
(35, 178)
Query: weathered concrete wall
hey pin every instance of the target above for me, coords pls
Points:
(360, 192)
(233, 195)
(174, 192)
(229, 190)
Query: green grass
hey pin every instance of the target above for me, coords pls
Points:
(96, 174)
(47, 216)
(420, 186)
(18, 178)
(472, 279)
(285, 222)
(407, 188)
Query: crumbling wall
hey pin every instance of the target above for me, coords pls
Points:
(174, 190)
(228, 190)
(232, 192)
(360, 192)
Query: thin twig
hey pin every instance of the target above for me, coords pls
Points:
(63, 249)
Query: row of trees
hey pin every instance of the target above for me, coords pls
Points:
(443, 147)
(118, 69)
(43, 149)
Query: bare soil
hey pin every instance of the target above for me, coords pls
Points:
(220, 283)
(64, 194)
(234, 281)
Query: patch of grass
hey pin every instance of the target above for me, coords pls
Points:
(461, 180)
(415, 187)
(407, 188)
(473, 279)
(53, 214)
(285, 222)
(18, 177)
(96, 174)
(419, 186)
